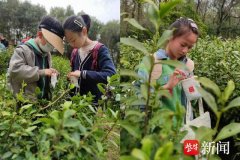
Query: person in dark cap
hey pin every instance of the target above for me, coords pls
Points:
(31, 62)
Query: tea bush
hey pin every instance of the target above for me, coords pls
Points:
(151, 131)
(64, 128)
(219, 60)
(4, 59)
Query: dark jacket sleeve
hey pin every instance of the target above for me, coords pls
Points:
(105, 65)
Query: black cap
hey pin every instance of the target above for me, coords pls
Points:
(53, 25)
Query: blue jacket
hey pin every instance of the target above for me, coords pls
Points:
(90, 78)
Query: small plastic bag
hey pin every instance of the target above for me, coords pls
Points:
(54, 80)
(190, 86)
(74, 80)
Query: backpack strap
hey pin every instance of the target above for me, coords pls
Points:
(94, 52)
(73, 56)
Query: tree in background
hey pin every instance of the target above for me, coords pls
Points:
(130, 9)
(19, 19)
(28, 17)
(60, 13)
(215, 17)
(110, 36)
(226, 9)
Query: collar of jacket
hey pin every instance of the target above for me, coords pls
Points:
(31, 43)
(162, 55)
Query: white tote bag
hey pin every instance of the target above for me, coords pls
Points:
(203, 120)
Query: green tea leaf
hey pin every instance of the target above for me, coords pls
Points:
(6, 155)
(148, 62)
(153, 13)
(30, 129)
(71, 86)
(113, 142)
(128, 158)
(147, 145)
(166, 7)
(68, 113)
(54, 115)
(214, 157)
(101, 87)
(204, 134)
(228, 131)
(115, 114)
(209, 100)
(164, 152)
(71, 123)
(124, 72)
(87, 119)
(50, 131)
(39, 115)
(234, 103)
(174, 63)
(76, 139)
(67, 104)
(228, 91)
(91, 108)
(144, 90)
(5, 113)
(99, 146)
(88, 149)
(134, 113)
(210, 85)
(25, 107)
(134, 23)
(133, 130)
(134, 43)
(138, 102)
(167, 34)
(47, 121)
(82, 128)
(139, 154)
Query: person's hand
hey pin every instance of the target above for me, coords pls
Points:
(49, 72)
(75, 74)
(176, 77)
(54, 71)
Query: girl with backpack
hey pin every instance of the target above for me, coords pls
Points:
(185, 35)
(90, 60)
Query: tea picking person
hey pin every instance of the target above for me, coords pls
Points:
(185, 35)
(90, 60)
(31, 62)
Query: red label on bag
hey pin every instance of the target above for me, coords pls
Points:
(191, 89)
(191, 147)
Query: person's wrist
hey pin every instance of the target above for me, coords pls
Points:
(166, 86)
(79, 74)
(41, 72)
(169, 88)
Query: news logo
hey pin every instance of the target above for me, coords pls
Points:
(193, 147)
